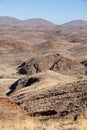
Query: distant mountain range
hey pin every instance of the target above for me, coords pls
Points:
(21, 40)
(29, 23)
(37, 22)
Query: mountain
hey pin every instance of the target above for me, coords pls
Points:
(76, 23)
(8, 21)
(35, 22)
(29, 23)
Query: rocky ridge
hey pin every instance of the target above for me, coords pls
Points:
(51, 61)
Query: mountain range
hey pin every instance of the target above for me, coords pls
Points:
(9, 21)
(36, 22)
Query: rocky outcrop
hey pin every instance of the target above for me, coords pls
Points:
(46, 98)
(54, 62)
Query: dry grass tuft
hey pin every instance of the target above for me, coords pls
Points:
(28, 124)
(32, 124)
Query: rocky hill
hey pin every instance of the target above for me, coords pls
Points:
(51, 95)
(52, 61)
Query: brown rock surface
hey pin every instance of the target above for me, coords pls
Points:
(9, 110)
(51, 95)
(52, 61)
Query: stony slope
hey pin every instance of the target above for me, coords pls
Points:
(42, 78)
(51, 95)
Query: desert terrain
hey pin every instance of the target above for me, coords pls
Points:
(43, 75)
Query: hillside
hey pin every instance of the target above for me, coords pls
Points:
(51, 95)
(43, 74)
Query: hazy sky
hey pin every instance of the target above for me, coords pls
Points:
(57, 11)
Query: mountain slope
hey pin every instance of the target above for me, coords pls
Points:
(51, 95)
(76, 23)
(8, 21)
